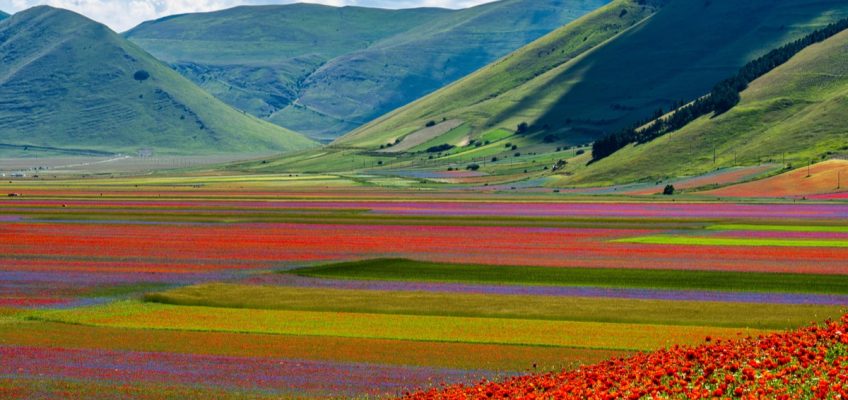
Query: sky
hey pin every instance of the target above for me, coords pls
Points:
(122, 15)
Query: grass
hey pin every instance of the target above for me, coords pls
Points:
(759, 316)
(409, 270)
(95, 104)
(714, 241)
(592, 335)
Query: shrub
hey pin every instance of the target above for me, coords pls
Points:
(440, 148)
(669, 190)
(522, 128)
(141, 75)
(472, 167)
(430, 124)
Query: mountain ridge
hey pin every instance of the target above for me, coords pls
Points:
(360, 75)
(69, 82)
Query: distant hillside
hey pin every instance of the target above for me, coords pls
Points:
(3, 15)
(797, 114)
(611, 68)
(67, 82)
(324, 71)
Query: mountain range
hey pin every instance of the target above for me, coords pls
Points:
(324, 71)
(611, 68)
(69, 84)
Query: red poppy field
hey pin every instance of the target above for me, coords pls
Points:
(159, 290)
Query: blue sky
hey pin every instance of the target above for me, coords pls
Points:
(121, 15)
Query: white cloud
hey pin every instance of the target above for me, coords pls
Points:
(122, 15)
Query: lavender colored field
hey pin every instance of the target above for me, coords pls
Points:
(264, 376)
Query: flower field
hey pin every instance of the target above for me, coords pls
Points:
(808, 363)
(173, 290)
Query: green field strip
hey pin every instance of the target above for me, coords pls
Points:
(716, 241)
(557, 308)
(411, 270)
(590, 335)
(779, 228)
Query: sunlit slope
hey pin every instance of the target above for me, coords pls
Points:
(324, 70)
(67, 82)
(797, 114)
(633, 62)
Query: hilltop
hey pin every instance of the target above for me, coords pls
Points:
(795, 115)
(70, 84)
(324, 71)
(609, 69)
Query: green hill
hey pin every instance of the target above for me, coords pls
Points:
(796, 114)
(324, 71)
(611, 68)
(67, 82)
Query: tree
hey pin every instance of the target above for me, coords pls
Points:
(522, 128)
(669, 190)
(141, 75)
(440, 148)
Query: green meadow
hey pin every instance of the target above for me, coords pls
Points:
(409, 270)
(557, 308)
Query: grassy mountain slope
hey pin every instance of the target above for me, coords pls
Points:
(651, 60)
(3, 15)
(324, 70)
(476, 97)
(68, 82)
(796, 114)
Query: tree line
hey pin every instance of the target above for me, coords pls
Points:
(724, 96)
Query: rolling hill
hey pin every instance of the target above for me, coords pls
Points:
(3, 15)
(324, 70)
(69, 83)
(610, 68)
(796, 115)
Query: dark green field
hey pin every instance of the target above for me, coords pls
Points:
(408, 270)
